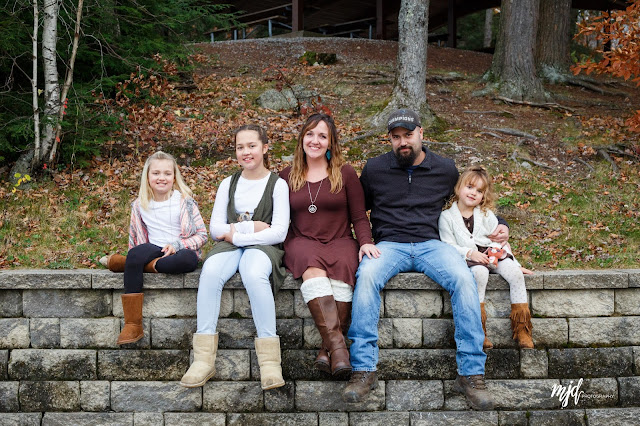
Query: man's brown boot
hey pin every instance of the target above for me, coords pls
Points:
(132, 308)
(486, 345)
(521, 325)
(359, 386)
(325, 314)
(475, 390)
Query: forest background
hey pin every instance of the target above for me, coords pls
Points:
(144, 79)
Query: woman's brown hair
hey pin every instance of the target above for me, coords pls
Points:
(297, 177)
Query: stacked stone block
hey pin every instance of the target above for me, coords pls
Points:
(59, 363)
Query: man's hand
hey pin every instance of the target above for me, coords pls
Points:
(500, 235)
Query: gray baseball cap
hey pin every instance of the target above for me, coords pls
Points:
(405, 118)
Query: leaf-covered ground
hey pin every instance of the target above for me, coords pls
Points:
(569, 187)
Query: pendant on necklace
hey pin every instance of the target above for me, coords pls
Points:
(312, 207)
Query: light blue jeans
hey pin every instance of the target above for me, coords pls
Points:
(440, 262)
(254, 267)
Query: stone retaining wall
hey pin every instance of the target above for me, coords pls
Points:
(59, 363)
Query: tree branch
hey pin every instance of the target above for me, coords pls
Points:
(603, 153)
(362, 136)
(593, 86)
(512, 132)
(546, 105)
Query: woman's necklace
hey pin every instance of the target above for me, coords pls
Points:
(312, 207)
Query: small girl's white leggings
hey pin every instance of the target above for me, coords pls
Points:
(254, 267)
(510, 271)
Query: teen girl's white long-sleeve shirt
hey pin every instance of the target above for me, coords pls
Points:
(248, 195)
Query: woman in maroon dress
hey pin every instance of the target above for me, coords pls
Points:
(326, 198)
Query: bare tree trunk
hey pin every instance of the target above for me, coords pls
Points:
(409, 90)
(554, 26)
(27, 161)
(553, 38)
(67, 82)
(513, 66)
(34, 82)
(488, 29)
(51, 84)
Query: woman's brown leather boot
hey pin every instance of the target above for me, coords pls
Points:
(325, 314)
(322, 362)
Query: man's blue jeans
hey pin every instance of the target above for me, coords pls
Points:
(440, 262)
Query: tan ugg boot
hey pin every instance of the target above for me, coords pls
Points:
(132, 308)
(486, 345)
(203, 368)
(114, 262)
(521, 325)
(268, 352)
(151, 266)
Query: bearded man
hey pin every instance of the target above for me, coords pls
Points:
(405, 189)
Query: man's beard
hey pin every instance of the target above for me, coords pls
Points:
(406, 160)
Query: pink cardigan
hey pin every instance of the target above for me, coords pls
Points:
(193, 232)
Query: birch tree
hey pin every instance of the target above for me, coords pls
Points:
(34, 78)
(51, 85)
(46, 141)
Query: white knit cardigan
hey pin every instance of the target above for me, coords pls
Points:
(454, 232)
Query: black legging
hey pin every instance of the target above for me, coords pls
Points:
(182, 261)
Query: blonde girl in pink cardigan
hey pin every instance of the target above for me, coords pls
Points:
(166, 234)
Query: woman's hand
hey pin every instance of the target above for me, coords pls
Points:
(259, 225)
(479, 257)
(168, 250)
(228, 236)
(370, 250)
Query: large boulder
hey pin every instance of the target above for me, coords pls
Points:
(287, 98)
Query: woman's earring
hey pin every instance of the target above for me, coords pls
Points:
(328, 154)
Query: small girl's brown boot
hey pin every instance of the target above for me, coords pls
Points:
(521, 325)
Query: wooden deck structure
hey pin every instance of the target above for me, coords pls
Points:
(367, 18)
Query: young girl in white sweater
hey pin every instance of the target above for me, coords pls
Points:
(466, 226)
(250, 219)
